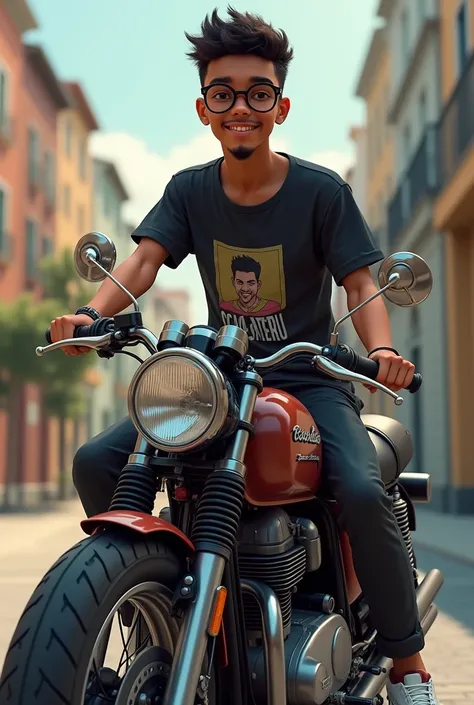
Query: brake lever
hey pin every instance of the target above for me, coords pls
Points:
(94, 342)
(332, 369)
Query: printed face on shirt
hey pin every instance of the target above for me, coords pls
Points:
(256, 277)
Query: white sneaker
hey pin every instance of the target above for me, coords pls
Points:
(416, 689)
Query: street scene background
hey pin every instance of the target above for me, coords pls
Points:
(97, 113)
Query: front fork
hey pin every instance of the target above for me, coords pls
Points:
(214, 535)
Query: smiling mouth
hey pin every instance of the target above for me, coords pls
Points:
(241, 128)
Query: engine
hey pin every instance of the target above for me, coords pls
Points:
(277, 550)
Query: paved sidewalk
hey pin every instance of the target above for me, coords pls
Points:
(445, 534)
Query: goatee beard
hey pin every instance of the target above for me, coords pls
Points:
(241, 152)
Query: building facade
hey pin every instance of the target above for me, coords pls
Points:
(109, 195)
(31, 98)
(375, 166)
(454, 217)
(74, 178)
(413, 110)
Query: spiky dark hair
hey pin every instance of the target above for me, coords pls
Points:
(243, 33)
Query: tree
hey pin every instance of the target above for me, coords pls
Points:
(23, 325)
(64, 393)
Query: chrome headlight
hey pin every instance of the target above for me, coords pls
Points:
(178, 400)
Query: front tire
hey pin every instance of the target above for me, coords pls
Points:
(49, 656)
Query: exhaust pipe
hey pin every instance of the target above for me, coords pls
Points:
(369, 686)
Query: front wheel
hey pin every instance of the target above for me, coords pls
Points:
(58, 653)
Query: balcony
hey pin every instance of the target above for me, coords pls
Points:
(6, 130)
(456, 127)
(419, 182)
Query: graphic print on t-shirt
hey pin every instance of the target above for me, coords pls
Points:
(251, 287)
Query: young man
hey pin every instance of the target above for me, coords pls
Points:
(270, 231)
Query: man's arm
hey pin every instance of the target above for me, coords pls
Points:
(373, 328)
(137, 274)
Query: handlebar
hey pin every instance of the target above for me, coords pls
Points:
(340, 362)
(99, 327)
(348, 358)
(342, 355)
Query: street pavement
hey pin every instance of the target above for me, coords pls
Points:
(29, 544)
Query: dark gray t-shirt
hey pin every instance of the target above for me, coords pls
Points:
(266, 268)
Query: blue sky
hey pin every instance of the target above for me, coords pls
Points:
(129, 56)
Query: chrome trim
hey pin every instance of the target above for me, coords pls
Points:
(393, 279)
(220, 394)
(288, 351)
(96, 342)
(173, 331)
(273, 640)
(193, 638)
(149, 340)
(234, 338)
(201, 330)
(332, 369)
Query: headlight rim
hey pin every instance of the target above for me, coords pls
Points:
(220, 406)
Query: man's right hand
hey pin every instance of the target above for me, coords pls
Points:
(63, 327)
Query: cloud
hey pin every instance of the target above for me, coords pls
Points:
(146, 173)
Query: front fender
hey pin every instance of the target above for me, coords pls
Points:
(140, 523)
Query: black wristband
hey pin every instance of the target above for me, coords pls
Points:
(383, 347)
(89, 311)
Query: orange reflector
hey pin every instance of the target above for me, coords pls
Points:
(217, 611)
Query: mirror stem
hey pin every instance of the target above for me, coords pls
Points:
(91, 257)
(393, 279)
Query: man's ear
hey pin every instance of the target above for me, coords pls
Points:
(202, 111)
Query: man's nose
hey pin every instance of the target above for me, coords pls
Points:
(240, 107)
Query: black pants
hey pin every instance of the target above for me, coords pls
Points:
(351, 471)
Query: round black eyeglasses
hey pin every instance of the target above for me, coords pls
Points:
(219, 97)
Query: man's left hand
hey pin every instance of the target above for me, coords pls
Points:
(394, 372)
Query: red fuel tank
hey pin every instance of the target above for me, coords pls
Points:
(284, 458)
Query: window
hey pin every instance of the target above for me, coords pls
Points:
(406, 143)
(67, 200)
(33, 156)
(68, 136)
(48, 246)
(83, 159)
(3, 100)
(422, 110)
(462, 42)
(49, 177)
(31, 249)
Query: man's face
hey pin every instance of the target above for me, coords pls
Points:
(241, 126)
(246, 286)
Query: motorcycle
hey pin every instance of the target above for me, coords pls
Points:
(242, 590)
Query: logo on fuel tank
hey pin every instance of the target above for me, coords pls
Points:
(300, 435)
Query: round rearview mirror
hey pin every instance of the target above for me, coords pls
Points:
(94, 249)
(414, 282)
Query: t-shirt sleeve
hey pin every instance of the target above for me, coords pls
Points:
(345, 239)
(167, 223)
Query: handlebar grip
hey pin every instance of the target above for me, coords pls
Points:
(99, 327)
(347, 357)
